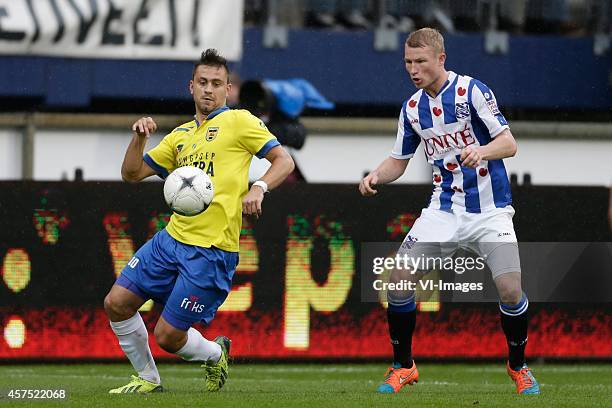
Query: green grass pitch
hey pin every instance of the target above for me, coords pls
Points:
(314, 385)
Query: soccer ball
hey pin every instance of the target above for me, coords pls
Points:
(188, 191)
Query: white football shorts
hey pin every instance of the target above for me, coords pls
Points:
(438, 233)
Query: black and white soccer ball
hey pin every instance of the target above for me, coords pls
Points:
(188, 191)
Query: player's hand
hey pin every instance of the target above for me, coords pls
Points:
(366, 186)
(144, 127)
(471, 156)
(251, 204)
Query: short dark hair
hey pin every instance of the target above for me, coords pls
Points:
(211, 58)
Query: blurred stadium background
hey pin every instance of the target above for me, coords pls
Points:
(75, 74)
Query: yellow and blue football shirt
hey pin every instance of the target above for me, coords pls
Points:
(222, 146)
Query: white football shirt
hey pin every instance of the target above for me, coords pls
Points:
(463, 113)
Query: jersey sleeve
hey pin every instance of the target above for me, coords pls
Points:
(255, 136)
(162, 158)
(407, 139)
(484, 103)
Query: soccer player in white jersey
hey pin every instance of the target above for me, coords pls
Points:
(465, 137)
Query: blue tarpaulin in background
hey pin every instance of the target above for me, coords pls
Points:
(293, 95)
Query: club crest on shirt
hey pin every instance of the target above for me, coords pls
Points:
(179, 148)
(462, 110)
(211, 133)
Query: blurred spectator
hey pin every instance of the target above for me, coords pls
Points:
(255, 12)
(598, 16)
(338, 14)
(279, 104)
(233, 99)
(288, 13)
(406, 15)
(512, 15)
(256, 97)
(576, 17)
(547, 16)
(466, 14)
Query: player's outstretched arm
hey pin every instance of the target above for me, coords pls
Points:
(282, 166)
(134, 168)
(389, 170)
(501, 147)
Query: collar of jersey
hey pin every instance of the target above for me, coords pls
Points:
(449, 81)
(213, 114)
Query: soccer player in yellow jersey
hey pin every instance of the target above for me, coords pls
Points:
(189, 266)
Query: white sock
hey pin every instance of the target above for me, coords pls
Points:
(134, 341)
(198, 348)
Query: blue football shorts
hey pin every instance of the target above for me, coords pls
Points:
(191, 281)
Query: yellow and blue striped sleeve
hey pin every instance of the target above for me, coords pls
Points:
(162, 158)
(255, 136)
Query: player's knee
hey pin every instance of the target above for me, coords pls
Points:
(170, 341)
(109, 304)
(509, 288)
(116, 309)
(164, 341)
(510, 295)
(402, 285)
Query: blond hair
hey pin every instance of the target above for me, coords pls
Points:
(426, 37)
